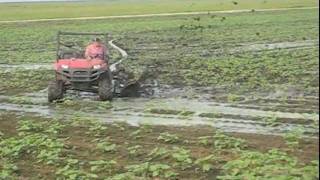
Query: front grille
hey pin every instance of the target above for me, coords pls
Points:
(82, 73)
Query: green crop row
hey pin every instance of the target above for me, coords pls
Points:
(103, 153)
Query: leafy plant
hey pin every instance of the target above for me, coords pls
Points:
(68, 102)
(233, 98)
(106, 146)
(102, 165)
(168, 138)
(118, 125)
(271, 165)
(1, 134)
(135, 150)
(46, 127)
(104, 105)
(124, 176)
(151, 170)
(158, 153)
(222, 141)
(271, 121)
(73, 171)
(182, 157)
(205, 163)
(205, 140)
(34, 138)
(97, 128)
(7, 169)
(293, 137)
(135, 134)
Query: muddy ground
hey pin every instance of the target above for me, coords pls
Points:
(203, 74)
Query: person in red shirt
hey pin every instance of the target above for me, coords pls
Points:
(96, 50)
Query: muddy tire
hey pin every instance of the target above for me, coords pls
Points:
(55, 91)
(105, 89)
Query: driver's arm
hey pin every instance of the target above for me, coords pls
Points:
(87, 52)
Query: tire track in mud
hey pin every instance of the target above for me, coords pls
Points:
(135, 111)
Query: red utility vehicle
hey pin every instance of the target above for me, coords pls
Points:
(74, 71)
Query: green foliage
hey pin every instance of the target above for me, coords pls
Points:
(47, 127)
(158, 152)
(106, 146)
(205, 163)
(135, 134)
(182, 157)
(168, 138)
(104, 105)
(151, 170)
(21, 100)
(222, 141)
(293, 137)
(97, 128)
(35, 138)
(124, 176)
(233, 98)
(102, 166)
(68, 103)
(7, 169)
(19, 81)
(205, 140)
(73, 171)
(271, 121)
(119, 126)
(271, 165)
(50, 10)
(135, 150)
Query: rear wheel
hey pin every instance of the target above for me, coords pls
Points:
(105, 89)
(55, 91)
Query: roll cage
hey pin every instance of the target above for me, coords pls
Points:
(60, 44)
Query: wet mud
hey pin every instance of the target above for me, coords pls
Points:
(147, 102)
(229, 117)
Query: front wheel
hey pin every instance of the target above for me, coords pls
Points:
(105, 89)
(55, 91)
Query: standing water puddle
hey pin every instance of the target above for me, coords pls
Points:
(163, 111)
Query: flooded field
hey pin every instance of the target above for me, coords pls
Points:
(212, 97)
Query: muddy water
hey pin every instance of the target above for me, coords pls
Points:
(271, 46)
(136, 111)
(10, 67)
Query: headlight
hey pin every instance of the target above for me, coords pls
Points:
(63, 66)
(97, 66)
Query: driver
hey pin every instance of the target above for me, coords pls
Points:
(96, 50)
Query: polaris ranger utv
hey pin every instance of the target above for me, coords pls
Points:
(74, 71)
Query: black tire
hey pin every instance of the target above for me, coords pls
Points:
(55, 91)
(105, 89)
